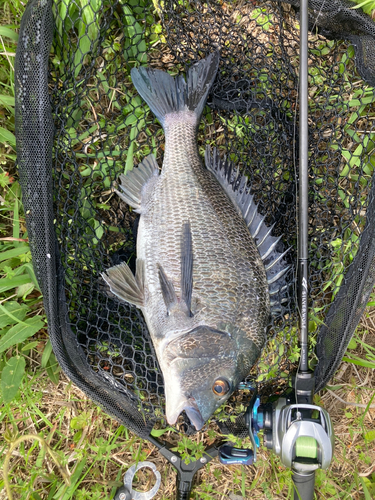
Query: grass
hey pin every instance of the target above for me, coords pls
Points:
(60, 445)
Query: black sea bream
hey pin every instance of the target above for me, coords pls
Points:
(207, 267)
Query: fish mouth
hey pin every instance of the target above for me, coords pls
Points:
(192, 411)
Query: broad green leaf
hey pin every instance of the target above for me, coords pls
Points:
(87, 31)
(25, 290)
(11, 313)
(30, 345)
(159, 432)
(7, 136)
(15, 282)
(81, 421)
(11, 377)
(370, 436)
(19, 333)
(9, 33)
(62, 13)
(352, 344)
(14, 252)
(136, 41)
(361, 101)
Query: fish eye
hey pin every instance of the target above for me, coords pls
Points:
(221, 387)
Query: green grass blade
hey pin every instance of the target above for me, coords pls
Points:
(7, 136)
(7, 100)
(366, 492)
(16, 281)
(16, 221)
(30, 345)
(53, 369)
(46, 354)
(15, 252)
(73, 482)
(30, 270)
(9, 33)
(360, 362)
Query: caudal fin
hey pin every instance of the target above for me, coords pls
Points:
(165, 94)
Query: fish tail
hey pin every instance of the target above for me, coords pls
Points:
(167, 95)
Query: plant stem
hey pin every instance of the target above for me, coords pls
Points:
(14, 445)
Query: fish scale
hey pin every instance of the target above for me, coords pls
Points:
(226, 260)
(200, 279)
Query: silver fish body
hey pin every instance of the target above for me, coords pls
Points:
(201, 282)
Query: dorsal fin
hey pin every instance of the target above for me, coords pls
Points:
(235, 186)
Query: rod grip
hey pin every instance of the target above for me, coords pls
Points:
(303, 485)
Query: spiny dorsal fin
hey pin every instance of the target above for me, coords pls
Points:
(124, 284)
(186, 265)
(235, 186)
(134, 180)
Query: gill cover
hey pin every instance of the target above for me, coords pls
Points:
(205, 367)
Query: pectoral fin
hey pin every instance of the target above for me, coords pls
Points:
(135, 180)
(124, 284)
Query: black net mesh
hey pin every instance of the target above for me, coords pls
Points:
(80, 123)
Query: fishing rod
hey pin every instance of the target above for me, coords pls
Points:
(300, 432)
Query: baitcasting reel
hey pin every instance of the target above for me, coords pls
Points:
(301, 434)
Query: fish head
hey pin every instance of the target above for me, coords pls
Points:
(204, 367)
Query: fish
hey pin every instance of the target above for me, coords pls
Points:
(208, 272)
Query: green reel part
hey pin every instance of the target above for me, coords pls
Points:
(306, 447)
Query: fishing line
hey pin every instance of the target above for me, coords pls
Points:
(306, 447)
(317, 16)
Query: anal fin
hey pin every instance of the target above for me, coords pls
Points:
(132, 183)
(124, 284)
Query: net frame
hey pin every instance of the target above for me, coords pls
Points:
(35, 143)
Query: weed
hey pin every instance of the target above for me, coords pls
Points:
(367, 357)
(21, 314)
(189, 450)
(366, 5)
